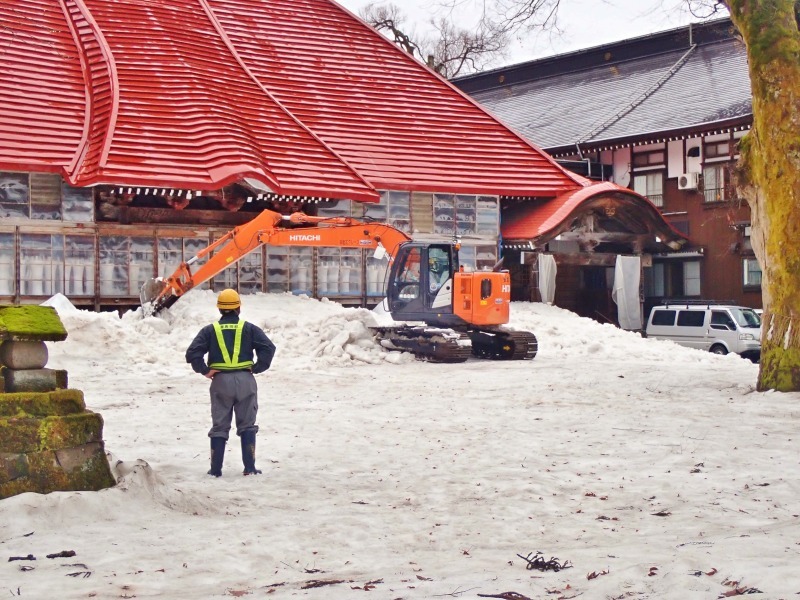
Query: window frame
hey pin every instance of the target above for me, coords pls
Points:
(724, 192)
(746, 282)
(656, 198)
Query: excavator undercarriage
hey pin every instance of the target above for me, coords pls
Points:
(450, 346)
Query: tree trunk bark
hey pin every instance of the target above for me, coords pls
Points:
(769, 177)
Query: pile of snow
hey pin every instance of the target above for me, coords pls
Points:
(308, 331)
(655, 470)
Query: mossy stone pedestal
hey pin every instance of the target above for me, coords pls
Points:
(48, 440)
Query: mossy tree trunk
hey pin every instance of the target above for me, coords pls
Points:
(769, 177)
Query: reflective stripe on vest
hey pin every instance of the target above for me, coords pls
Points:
(230, 364)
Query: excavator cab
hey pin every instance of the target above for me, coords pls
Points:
(421, 282)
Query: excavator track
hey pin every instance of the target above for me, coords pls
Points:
(503, 344)
(427, 343)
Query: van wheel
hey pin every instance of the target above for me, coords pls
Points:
(719, 349)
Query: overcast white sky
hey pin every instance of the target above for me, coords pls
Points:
(585, 23)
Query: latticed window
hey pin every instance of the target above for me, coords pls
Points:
(43, 196)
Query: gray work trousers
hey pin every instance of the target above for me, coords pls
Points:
(233, 392)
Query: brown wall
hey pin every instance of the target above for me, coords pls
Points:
(717, 228)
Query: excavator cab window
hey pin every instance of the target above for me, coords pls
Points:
(416, 293)
(438, 267)
(406, 286)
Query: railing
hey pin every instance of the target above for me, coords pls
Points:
(714, 194)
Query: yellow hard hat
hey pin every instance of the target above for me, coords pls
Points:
(228, 300)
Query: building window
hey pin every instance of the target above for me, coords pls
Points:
(14, 195)
(716, 183)
(673, 279)
(650, 185)
(718, 150)
(691, 278)
(79, 265)
(648, 159)
(393, 208)
(752, 272)
(43, 196)
(7, 271)
(41, 264)
(477, 258)
(463, 214)
(339, 272)
(125, 264)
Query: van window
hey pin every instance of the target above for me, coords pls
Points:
(746, 317)
(722, 320)
(664, 317)
(691, 318)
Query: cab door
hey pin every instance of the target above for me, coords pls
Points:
(421, 283)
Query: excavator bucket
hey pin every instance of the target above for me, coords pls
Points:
(154, 296)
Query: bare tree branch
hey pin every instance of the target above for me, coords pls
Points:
(388, 18)
(451, 50)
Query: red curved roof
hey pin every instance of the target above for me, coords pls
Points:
(528, 221)
(298, 94)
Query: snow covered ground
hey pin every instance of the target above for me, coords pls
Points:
(653, 470)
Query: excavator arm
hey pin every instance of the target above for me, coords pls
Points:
(266, 228)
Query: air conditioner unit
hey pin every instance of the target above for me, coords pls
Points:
(688, 181)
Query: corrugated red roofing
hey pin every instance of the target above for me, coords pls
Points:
(298, 94)
(43, 93)
(394, 120)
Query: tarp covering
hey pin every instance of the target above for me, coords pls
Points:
(627, 274)
(547, 277)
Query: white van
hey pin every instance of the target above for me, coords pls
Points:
(718, 328)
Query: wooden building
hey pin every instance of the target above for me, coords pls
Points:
(662, 115)
(131, 145)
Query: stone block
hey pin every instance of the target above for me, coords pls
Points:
(35, 434)
(34, 380)
(31, 404)
(31, 323)
(82, 467)
(23, 355)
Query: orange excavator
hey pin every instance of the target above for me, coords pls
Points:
(443, 313)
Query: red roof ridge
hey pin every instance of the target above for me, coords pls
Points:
(98, 128)
(235, 53)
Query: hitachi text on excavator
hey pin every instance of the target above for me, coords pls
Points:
(443, 313)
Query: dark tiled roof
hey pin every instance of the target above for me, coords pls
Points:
(647, 85)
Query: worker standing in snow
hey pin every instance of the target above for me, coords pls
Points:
(231, 345)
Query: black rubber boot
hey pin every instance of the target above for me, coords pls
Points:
(217, 456)
(249, 453)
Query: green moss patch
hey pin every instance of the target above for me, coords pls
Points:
(42, 472)
(31, 323)
(27, 404)
(30, 434)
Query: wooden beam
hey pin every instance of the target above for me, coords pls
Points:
(587, 259)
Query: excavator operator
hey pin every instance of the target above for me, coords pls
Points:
(231, 345)
(439, 269)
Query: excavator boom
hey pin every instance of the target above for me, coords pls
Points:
(269, 228)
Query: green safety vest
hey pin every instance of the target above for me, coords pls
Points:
(230, 364)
